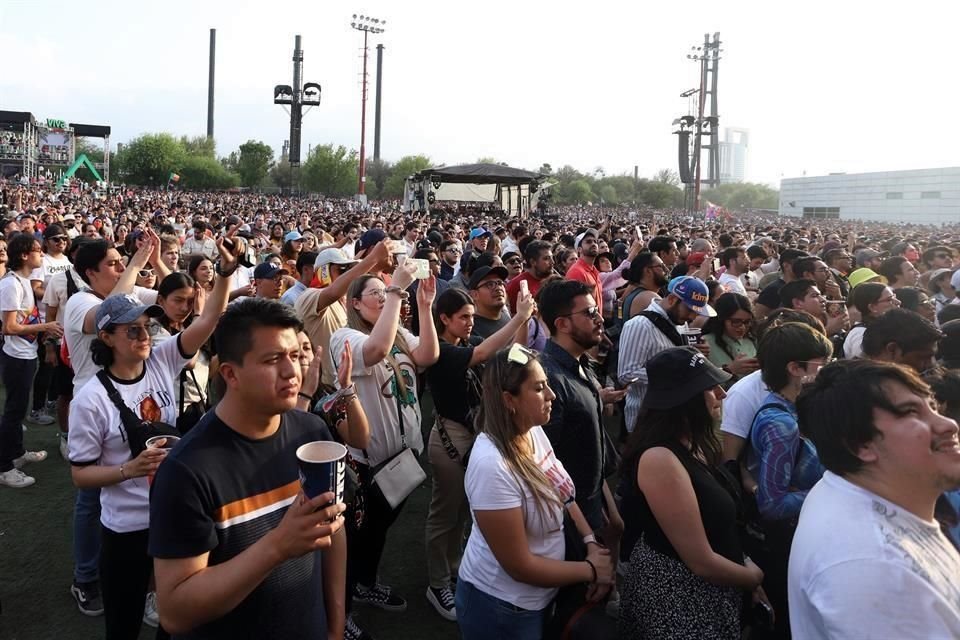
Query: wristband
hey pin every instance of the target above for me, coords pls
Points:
(587, 539)
(225, 274)
(593, 569)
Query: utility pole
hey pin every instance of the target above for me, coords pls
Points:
(367, 25)
(706, 124)
(296, 97)
(376, 122)
(213, 60)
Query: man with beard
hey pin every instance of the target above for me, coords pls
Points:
(576, 428)
(867, 540)
(585, 270)
(476, 246)
(538, 257)
(646, 276)
(654, 330)
(489, 295)
(450, 253)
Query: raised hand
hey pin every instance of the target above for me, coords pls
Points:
(345, 370)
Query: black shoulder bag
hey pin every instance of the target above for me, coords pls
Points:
(137, 431)
(666, 327)
(190, 415)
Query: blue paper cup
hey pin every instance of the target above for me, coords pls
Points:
(323, 468)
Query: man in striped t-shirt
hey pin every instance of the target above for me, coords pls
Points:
(236, 546)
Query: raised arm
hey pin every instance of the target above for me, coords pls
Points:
(338, 288)
(200, 330)
(428, 351)
(384, 332)
(507, 334)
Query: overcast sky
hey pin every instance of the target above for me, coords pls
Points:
(823, 87)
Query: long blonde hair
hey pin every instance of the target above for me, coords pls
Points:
(495, 420)
(356, 321)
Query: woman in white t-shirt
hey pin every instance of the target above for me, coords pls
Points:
(99, 448)
(514, 561)
(872, 300)
(386, 360)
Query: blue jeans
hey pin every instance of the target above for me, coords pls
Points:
(17, 376)
(86, 536)
(482, 616)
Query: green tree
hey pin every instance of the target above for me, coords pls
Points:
(624, 186)
(545, 169)
(282, 175)
(608, 194)
(660, 195)
(744, 195)
(667, 176)
(204, 172)
(405, 167)
(255, 160)
(232, 161)
(378, 172)
(331, 170)
(149, 159)
(93, 151)
(199, 146)
(579, 192)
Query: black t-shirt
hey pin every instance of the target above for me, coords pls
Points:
(485, 328)
(221, 492)
(718, 510)
(770, 296)
(455, 385)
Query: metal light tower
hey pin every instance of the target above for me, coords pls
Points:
(706, 123)
(367, 25)
(296, 97)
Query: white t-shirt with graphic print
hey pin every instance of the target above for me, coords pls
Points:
(491, 486)
(97, 437)
(16, 294)
(376, 390)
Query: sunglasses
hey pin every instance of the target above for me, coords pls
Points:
(591, 312)
(140, 331)
(514, 262)
(59, 238)
(145, 273)
(519, 354)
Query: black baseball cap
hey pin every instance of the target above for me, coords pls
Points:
(483, 272)
(677, 375)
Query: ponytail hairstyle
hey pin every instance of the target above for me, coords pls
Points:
(448, 303)
(356, 321)
(502, 376)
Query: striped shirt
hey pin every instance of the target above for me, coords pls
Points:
(639, 341)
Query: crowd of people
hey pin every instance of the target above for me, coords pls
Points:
(645, 424)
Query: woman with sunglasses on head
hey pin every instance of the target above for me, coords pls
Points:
(386, 360)
(518, 492)
(455, 385)
(99, 443)
(729, 334)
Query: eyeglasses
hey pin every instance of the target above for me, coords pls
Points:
(454, 251)
(591, 312)
(737, 322)
(145, 273)
(58, 238)
(519, 354)
(140, 331)
(379, 293)
(492, 284)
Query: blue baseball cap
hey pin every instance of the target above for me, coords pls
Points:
(267, 270)
(479, 232)
(124, 308)
(292, 235)
(692, 292)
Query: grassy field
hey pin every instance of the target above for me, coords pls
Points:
(36, 565)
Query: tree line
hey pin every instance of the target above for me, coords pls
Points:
(333, 169)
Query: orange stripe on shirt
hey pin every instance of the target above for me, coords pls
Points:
(252, 503)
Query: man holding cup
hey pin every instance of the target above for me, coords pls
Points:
(235, 540)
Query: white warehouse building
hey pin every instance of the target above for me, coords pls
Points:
(923, 196)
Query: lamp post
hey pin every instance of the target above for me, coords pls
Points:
(367, 25)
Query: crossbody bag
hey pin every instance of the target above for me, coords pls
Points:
(400, 474)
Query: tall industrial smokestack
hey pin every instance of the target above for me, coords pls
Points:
(376, 124)
(213, 64)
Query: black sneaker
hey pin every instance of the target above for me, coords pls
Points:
(88, 599)
(352, 631)
(442, 601)
(379, 596)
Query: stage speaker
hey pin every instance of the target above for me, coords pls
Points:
(683, 156)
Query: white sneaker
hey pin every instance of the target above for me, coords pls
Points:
(15, 479)
(39, 416)
(63, 446)
(29, 456)
(150, 615)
